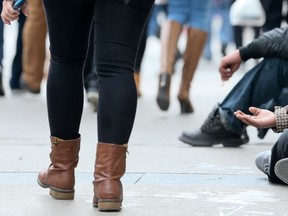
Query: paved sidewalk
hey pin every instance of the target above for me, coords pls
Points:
(164, 176)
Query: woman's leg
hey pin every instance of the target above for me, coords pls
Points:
(68, 47)
(69, 25)
(117, 43)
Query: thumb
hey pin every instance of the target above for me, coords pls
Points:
(254, 110)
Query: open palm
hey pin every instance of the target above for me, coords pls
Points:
(261, 118)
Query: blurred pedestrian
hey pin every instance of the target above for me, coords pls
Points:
(253, 17)
(219, 9)
(274, 17)
(34, 47)
(16, 69)
(193, 14)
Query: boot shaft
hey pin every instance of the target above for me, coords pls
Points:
(195, 43)
(64, 153)
(110, 161)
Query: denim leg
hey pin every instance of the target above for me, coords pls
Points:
(226, 31)
(153, 26)
(279, 151)
(262, 87)
(207, 48)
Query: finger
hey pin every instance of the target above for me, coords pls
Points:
(240, 113)
(6, 21)
(243, 118)
(254, 110)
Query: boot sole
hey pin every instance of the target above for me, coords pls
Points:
(226, 143)
(58, 193)
(108, 205)
(281, 170)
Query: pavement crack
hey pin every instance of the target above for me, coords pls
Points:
(139, 178)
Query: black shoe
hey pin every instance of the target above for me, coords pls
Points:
(2, 92)
(213, 132)
(262, 132)
(163, 99)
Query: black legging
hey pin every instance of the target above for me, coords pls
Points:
(118, 27)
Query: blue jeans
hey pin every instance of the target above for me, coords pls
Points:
(264, 86)
(225, 31)
(194, 13)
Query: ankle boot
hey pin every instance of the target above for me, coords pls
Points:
(163, 96)
(2, 92)
(59, 176)
(110, 166)
(195, 43)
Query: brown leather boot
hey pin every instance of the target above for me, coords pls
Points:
(195, 42)
(59, 176)
(110, 166)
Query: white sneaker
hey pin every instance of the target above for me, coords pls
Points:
(281, 170)
(262, 161)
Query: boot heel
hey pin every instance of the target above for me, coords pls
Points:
(62, 195)
(109, 205)
(185, 106)
(163, 100)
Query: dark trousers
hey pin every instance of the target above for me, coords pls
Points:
(17, 61)
(279, 151)
(118, 28)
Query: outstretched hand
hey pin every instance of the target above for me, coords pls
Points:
(261, 118)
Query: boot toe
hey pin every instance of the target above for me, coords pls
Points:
(196, 138)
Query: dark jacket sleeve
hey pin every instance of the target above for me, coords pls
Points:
(273, 43)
